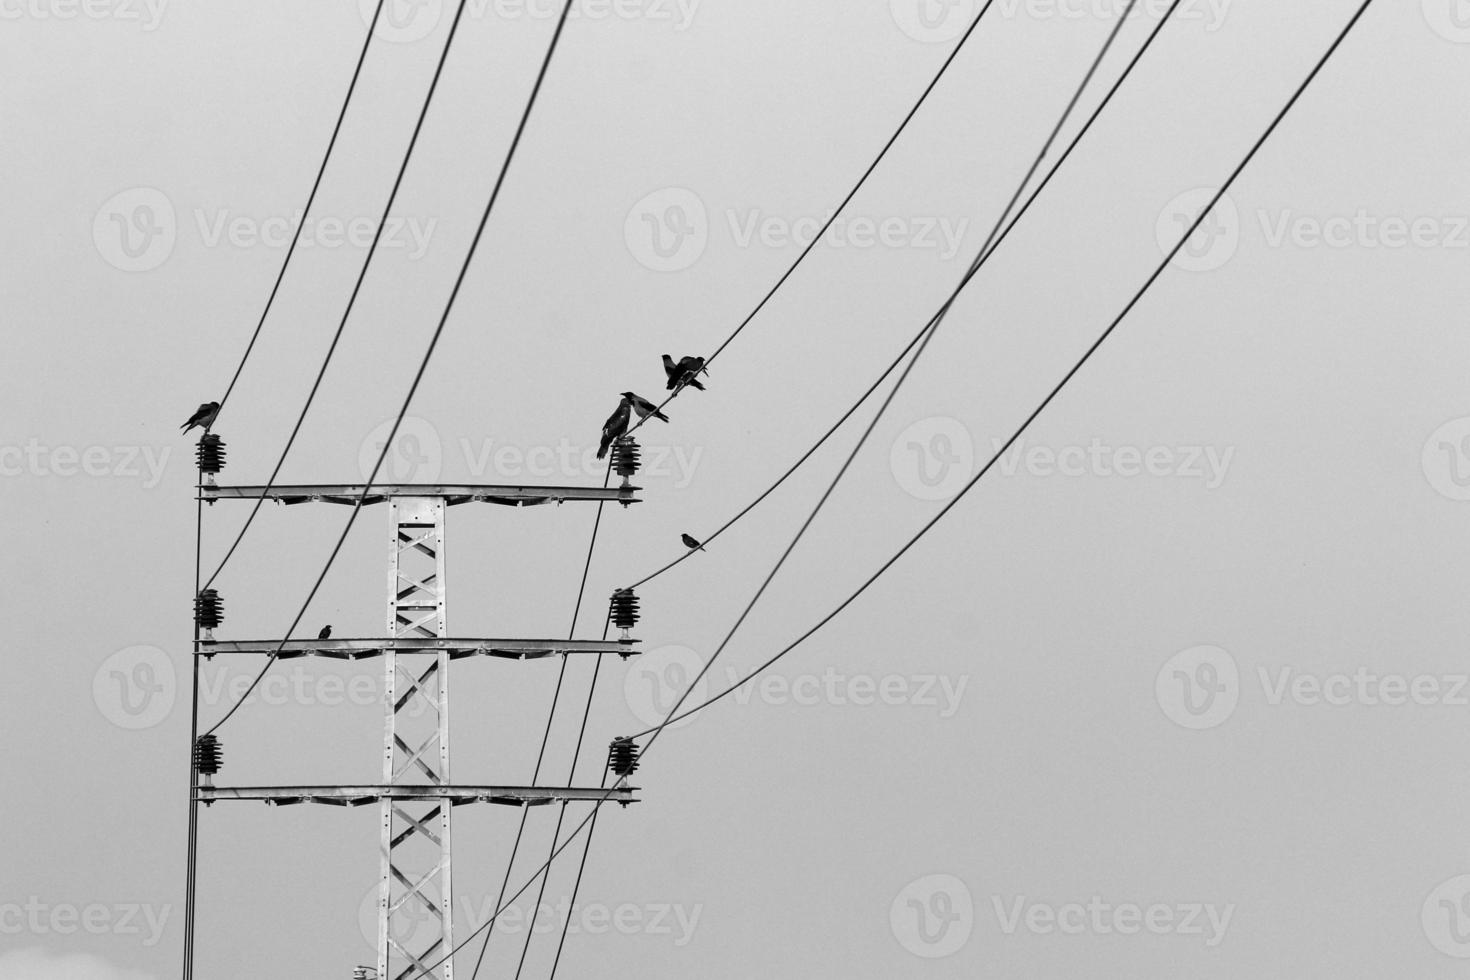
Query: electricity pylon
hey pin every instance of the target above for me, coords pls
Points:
(416, 797)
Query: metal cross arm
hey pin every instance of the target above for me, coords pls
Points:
(451, 494)
(454, 795)
(457, 649)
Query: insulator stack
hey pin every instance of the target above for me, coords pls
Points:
(208, 756)
(622, 757)
(626, 458)
(624, 610)
(211, 457)
(209, 611)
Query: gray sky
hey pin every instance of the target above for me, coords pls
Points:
(1001, 761)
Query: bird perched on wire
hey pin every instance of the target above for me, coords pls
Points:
(644, 407)
(326, 633)
(203, 417)
(686, 372)
(691, 543)
(616, 426)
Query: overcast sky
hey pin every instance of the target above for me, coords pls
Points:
(1179, 689)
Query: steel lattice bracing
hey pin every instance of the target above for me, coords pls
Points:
(415, 898)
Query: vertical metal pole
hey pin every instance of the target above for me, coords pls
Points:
(415, 925)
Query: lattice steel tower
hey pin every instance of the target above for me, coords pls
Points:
(417, 796)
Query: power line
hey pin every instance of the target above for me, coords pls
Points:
(352, 298)
(551, 715)
(929, 335)
(428, 354)
(1051, 396)
(832, 219)
(984, 258)
(310, 200)
(191, 869)
(1188, 233)
(558, 848)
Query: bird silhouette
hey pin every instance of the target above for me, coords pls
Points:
(326, 633)
(204, 417)
(616, 426)
(686, 372)
(644, 407)
(691, 543)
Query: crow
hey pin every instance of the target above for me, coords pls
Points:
(644, 407)
(615, 426)
(203, 417)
